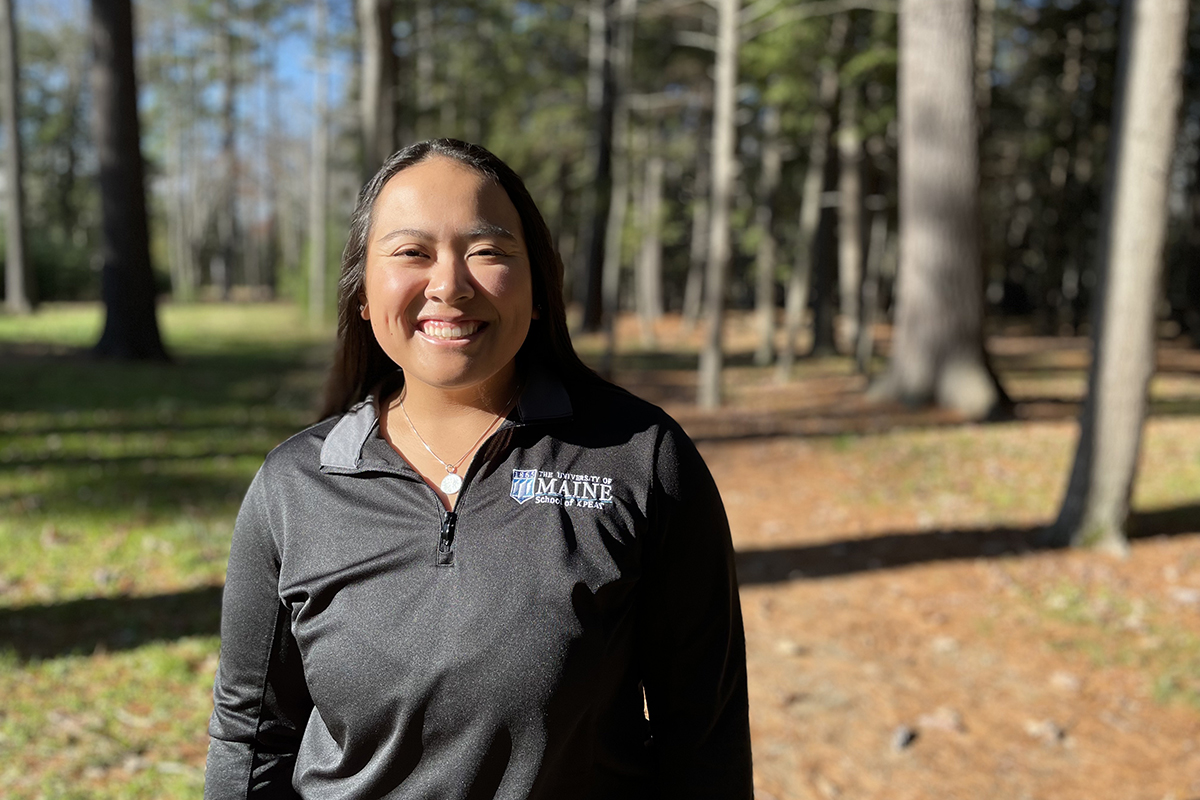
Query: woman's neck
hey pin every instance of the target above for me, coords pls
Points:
(490, 398)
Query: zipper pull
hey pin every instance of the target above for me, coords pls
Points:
(446, 540)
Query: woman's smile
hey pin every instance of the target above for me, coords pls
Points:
(449, 331)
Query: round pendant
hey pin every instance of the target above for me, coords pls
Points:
(451, 483)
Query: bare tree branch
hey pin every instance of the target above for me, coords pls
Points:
(818, 8)
(701, 41)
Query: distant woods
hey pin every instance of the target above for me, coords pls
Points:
(839, 166)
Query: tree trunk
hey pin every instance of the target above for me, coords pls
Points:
(227, 220)
(378, 101)
(796, 302)
(17, 277)
(864, 347)
(649, 263)
(724, 166)
(937, 353)
(601, 93)
(127, 280)
(425, 38)
(319, 176)
(850, 234)
(621, 59)
(1149, 86)
(693, 293)
(764, 262)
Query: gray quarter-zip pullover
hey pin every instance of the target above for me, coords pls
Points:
(374, 645)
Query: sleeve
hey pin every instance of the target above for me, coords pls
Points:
(693, 647)
(261, 702)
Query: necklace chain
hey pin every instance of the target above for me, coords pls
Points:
(452, 469)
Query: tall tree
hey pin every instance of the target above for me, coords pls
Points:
(621, 60)
(17, 284)
(800, 277)
(937, 353)
(649, 259)
(770, 167)
(223, 263)
(850, 235)
(1096, 506)
(318, 196)
(724, 167)
(127, 281)
(602, 97)
(378, 100)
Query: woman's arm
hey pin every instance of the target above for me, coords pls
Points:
(260, 699)
(693, 646)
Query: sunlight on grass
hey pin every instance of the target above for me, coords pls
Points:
(118, 488)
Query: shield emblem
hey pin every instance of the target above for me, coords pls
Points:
(522, 484)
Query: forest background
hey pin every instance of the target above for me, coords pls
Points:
(859, 318)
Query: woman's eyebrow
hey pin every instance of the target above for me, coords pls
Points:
(413, 232)
(485, 229)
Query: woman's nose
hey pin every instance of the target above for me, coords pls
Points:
(449, 280)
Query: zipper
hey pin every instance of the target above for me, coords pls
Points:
(445, 550)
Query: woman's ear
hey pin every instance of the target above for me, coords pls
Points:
(364, 310)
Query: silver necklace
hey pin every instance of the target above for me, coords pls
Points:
(453, 481)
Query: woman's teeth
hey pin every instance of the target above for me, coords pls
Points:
(446, 330)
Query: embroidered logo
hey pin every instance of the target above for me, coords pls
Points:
(561, 488)
(522, 485)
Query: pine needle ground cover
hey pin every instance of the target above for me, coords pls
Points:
(907, 636)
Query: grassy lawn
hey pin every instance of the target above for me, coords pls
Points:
(118, 487)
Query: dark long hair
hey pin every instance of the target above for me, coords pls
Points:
(359, 362)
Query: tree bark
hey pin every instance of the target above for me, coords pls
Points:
(227, 220)
(378, 101)
(693, 293)
(18, 283)
(864, 347)
(319, 176)
(649, 263)
(127, 280)
(426, 77)
(724, 167)
(621, 60)
(1095, 508)
(601, 100)
(764, 262)
(850, 234)
(938, 353)
(796, 302)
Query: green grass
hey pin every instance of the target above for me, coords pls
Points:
(118, 488)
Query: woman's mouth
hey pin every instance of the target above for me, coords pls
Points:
(438, 329)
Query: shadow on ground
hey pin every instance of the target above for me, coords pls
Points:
(81, 627)
(895, 550)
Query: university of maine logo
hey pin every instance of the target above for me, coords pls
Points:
(522, 484)
(565, 489)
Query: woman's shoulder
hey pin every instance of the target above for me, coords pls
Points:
(605, 405)
(301, 452)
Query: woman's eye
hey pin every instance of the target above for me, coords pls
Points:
(488, 251)
(410, 253)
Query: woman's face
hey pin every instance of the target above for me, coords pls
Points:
(447, 289)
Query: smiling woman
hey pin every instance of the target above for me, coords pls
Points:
(399, 620)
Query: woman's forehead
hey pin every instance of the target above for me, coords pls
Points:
(444, 192)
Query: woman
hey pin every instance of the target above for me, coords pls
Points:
(478, 575)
